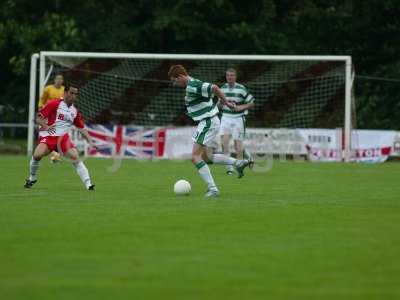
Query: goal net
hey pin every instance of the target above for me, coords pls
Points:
(289, 91)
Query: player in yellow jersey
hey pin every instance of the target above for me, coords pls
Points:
(53, 91)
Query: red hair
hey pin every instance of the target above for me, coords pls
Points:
(176, 70)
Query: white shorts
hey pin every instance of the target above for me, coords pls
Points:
(234, 126)
(207, 131)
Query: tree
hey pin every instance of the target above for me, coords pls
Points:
(367, 30)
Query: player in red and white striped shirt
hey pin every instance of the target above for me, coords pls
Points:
(56, 119)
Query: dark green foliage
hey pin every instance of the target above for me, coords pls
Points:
(367, 30)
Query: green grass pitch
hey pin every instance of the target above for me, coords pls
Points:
(300, 231)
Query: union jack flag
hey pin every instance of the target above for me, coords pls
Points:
(125, 141)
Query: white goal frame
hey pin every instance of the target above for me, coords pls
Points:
(42, 78)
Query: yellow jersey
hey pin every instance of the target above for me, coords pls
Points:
(50, 92)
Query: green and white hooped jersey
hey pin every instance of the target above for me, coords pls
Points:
(238, 94)
(199, 100)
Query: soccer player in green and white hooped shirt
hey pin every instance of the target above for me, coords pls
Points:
(201, 108)
(233, 121)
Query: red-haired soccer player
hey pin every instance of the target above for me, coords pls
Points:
(201, 108)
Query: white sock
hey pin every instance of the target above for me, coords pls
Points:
(33, 168)
(228, 167)
(83, 173)
(205, 174)
(221, 159)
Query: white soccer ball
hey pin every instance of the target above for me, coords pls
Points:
(182, 187)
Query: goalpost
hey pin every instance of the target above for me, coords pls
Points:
(122, 88)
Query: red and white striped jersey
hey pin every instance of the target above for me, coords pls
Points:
(57, 112)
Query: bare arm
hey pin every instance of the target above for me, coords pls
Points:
(221, 96)
(243, 107)
(219, 104)
(42, 122)
(87, 136)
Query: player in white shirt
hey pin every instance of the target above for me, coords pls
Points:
(56, 119)
(233, 121)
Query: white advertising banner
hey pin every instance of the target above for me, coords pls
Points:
(319, 145)
(275, 141)
(263, 140)
(323, 144)
(396, 144)
(372, 145)
(178, 142)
